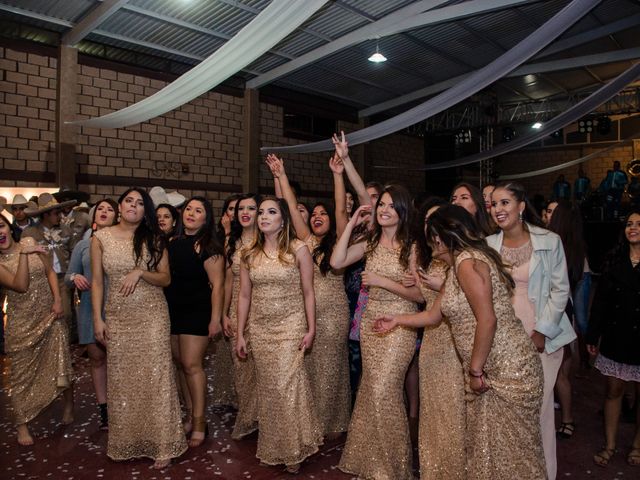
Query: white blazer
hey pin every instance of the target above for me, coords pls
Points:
(548, 286)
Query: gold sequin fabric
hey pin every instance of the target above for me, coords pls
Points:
(328, 360)
(224, 392)
(378, 444)
(442, 408)
(503, 424)
(36, 343)
(289, 428)
(244, 372)
(144, 410)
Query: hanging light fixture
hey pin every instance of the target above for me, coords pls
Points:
(377, 57)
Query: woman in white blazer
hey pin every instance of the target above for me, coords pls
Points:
(539, 268)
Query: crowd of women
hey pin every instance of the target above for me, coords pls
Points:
(451, 321)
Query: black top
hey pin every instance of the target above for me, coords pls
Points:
(615, 313)
(189, 294)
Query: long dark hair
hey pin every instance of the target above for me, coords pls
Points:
(404, 208)
(207, 241)
(518, 192)
(566, 221)
(176, 218)
(481, 217)
(620, 253)
(112, 203)
(423, 249)
(322, 253)
(285, 238)
(458, 231)
(236, 227)
(231, 198)
(147, 233)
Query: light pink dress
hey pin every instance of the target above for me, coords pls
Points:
(520, 258)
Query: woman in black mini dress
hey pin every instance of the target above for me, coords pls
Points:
(195, 299)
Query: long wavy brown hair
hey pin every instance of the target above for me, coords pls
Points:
(404, 208)
(458, 231)
(286, 236)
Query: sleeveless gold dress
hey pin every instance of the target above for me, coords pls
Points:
(222, 381)
(289, 430)
(244, 371)
(144, 410)
(36, 343)
(442, 407)
(378, 443)
(503, 424)
(328, 360)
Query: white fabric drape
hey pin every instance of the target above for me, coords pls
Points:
(586, 158)
(270, 26)
(568, 117)
(511, 59)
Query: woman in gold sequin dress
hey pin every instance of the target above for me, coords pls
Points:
(503, 371)
(441, 441)
(328, 361)
(378, 444)
(36, 336)
(281, 328)
(142, 399)
(243, 231)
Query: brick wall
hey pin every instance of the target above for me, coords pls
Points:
(27, 113)
(528, 160)
(204, 137)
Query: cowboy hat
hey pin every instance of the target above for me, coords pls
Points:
(159, 196)
(46, 202)
(18, 201)
(83, 207)
(66, 194)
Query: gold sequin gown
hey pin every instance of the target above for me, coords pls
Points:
(36, 343)
(289, 430)
(442, 408)
(224, 392)
(144, 410)
(328, 360)
(244, 369)
(378, 443)
(503, 424)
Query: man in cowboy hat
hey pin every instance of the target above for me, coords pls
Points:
(59, 238)
(77, 220)
(20, 218)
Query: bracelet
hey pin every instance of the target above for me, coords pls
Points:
(475, 375)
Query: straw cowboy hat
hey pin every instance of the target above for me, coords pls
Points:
(160, 196)
(83, 207)
(46, 202)
(18, 201)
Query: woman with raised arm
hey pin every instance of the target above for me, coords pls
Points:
(36, 336)
(144, 411)
(539, 268)
(503, 373)
(327, 363)
(244, 228)
(195, 298)
(105, 214)
(281, 329)
(378, 444)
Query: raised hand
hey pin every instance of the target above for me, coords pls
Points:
(360, 215)
(275, 164)
(336, 165)
(26, 249)
(341, 145)
(384, 324)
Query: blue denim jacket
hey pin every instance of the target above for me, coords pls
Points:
(548, 286)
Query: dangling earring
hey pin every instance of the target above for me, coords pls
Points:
(520, 217)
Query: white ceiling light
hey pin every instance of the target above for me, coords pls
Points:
(377, 57)
(536, 126)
